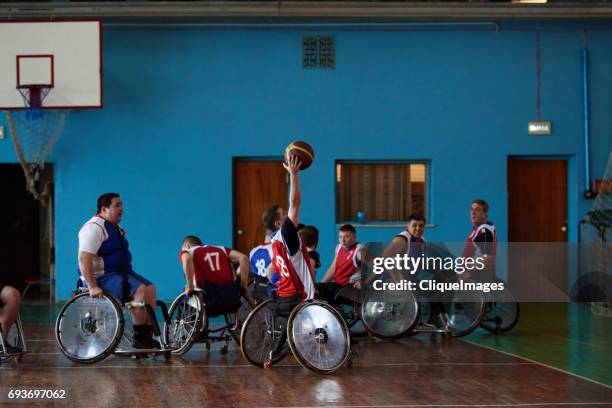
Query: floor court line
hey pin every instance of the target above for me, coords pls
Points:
(535, 404)
(540, 363)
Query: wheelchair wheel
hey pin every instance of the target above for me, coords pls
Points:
(242, 313)
(87, 329)
(348, 300)
(318, 337)
(260, 334)
(390, 314)
(186, 318)
(502, 311)
(463, 313)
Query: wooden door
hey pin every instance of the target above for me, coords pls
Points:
(537, 214)
(258, 184)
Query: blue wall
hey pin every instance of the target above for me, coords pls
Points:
(181, 103)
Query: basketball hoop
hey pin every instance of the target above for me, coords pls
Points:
(33, 97)
(35, 131)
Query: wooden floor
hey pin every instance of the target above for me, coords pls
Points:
(421, 371)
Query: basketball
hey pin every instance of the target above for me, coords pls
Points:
(303, 151)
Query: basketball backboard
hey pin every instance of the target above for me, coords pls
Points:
(64, 56)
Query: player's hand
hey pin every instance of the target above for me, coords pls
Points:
(357, 285)
(293, 164)
(95, 292)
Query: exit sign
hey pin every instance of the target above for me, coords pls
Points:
(540, 128)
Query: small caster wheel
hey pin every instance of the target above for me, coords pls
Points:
(19, 359)
(167, 355)
(207, 345)
(267, 365)
(224, 350)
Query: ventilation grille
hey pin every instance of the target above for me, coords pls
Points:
(319, 52)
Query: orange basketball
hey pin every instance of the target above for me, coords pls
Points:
(303, 151)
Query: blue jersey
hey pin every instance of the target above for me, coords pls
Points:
(260, 257)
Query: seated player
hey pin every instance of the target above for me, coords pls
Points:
(482, 241)
(260, 257)
(345, 269)
(10, 300)
(309, 234)
(290, 261)
(105, 264)
(210, 268)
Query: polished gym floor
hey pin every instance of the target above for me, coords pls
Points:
(558, 355)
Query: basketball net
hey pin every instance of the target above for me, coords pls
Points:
(34, 132)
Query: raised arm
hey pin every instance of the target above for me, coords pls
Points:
(295, 195)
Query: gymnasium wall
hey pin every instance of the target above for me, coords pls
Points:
(180, 103)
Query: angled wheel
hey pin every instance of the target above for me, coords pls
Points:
(502, 311)
(241, 314)
(260, 334)
(186, 316)
(390, 314)
(87, 329)
(349, 300)
(463, 313)
(318, 337)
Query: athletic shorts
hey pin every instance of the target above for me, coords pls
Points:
(112, 283)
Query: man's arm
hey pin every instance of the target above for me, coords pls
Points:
(187, 262)
(87, 270)
(295, 194)
(244, 270)
(329, 274)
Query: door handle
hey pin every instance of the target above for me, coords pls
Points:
(239, 232)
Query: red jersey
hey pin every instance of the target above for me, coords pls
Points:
(347, 265)
(482, 241)
(211, 264)
(294, 271)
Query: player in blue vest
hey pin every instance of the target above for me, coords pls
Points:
(260, 257)
(105, 264)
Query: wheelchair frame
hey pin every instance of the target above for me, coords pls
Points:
(88, 324)
(200, 331)
(263, 323)
(4, 356)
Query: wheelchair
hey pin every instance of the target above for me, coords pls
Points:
(88, 330)
(317, 336)
(16, 338)
(501, 311)
(189, 321)
(393, 314)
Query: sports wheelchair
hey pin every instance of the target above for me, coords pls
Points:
(501, 311)
(16, 338)
(89, 329)
(317, 334)
(393, 314)
(189, 317)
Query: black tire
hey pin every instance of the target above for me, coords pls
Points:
(463, 313)
(257, 336)
(242, 313)
(110, 347)
(349, 300)
(399, 307)
(321, 342)
(502, 312)
(186, 316)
